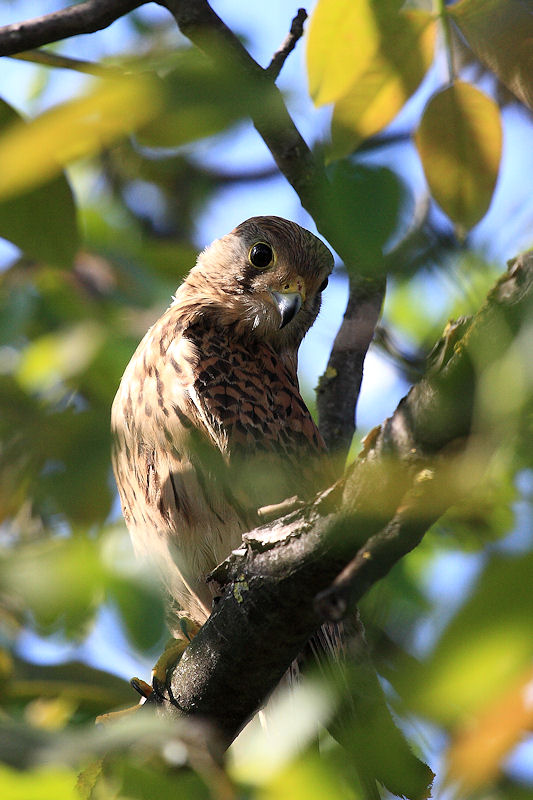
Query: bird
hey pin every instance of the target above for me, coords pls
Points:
(208, 423)
(209, 428)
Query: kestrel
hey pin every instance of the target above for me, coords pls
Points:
(208, 422)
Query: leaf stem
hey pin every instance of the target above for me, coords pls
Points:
(448, 43)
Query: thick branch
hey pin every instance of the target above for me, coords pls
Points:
(87, 17)
(396, 489)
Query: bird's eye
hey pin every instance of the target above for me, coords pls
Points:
(261, 255)
(323, 285)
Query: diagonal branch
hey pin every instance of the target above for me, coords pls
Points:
(86, 17)
(339, 388)
(401, 484)
(304, 172)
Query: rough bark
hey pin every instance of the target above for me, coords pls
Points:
(315, 564)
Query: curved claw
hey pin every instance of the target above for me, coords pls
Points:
(165, 664)
(140, 686)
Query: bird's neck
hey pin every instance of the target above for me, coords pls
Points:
(202, 314)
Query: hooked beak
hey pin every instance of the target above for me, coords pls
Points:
(288, 305)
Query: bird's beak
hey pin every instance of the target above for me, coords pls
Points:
(288, 305)
(289, 301)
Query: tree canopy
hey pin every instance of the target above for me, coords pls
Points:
(131, 134)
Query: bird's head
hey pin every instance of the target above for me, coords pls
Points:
(265, 278)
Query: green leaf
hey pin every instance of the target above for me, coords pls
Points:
(197, 101)
(142, 611)
(459, 140)
(93, 691)
(344, 35)
(60, 581)
(500, 32)
(485, 648)
(364, 208)
(393, 75)
(32, 153)
(42, 221)
(55, 357)
(47, 783)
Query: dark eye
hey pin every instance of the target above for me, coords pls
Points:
(323, 285)
(261, 255)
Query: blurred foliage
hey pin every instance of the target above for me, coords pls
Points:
(102, 248)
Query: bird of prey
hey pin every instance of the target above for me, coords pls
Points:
(209, 426)
(208, 422)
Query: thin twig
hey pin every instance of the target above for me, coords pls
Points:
(421, 508)
(87, 17)
(281, 55)
(49, 59)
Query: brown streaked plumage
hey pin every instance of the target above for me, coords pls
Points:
(208, 421)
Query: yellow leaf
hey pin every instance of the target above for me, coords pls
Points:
(31, 153)
(343, 37)
(44, 783)
(476, 753)
(459, 140)
(57, 356)
(500, 32)
(393, 76)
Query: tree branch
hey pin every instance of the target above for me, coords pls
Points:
(290, 42)
(339, 386)
(87, 17)
(49, 59)
(294, 159)
(276, 587)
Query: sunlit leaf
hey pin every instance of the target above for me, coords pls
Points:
(42, 221)
(307, 779)
(379, 93)
(292, 717)
(460, 140)
(344, 35)
(500, 32)
(57, 356)
(486, 647)
(476, 753)
(43, 784)
(32, 153)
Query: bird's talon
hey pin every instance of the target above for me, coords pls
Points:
(141, 687)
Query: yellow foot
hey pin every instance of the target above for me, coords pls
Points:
(171, 655)
(140, 686)
(112, 716)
